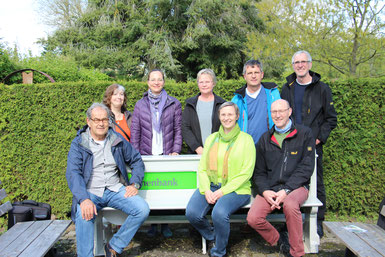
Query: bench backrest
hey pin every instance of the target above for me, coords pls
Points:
(170, 181)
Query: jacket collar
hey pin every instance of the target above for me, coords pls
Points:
(292, 77)
(84, 137)
(194, 100)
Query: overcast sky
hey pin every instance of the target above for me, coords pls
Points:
(20, 25)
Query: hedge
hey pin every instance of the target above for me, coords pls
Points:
(38, 123)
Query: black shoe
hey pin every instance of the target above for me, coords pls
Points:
(283, 244)
(209, 245)
(109, 252)
(320, 230)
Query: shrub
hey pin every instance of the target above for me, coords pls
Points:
(38, 123)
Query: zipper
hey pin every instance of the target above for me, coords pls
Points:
(284, 164)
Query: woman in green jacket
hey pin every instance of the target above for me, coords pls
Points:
(224, 173)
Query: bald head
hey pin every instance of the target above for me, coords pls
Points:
(280, 113)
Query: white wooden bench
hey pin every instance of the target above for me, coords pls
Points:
(180, 172)
(32, 238)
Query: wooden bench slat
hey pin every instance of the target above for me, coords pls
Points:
(47, 239)
(374, 237)
(8, 237)
(352, 240)
(3, 194)
(4, 208)
(25, 239)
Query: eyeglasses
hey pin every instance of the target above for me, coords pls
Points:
(97, 121)
(300, 62)
(275, 112)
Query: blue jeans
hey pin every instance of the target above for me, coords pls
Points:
(136, 208)
(197, 209)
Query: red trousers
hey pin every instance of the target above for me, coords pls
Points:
(260, 208)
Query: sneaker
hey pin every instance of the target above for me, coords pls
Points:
(166, 231)
(109, 252)
(283, 244)
(153, 230)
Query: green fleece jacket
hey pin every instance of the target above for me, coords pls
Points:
(241, 166)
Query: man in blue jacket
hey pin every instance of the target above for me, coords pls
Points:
(96, 166)
(254, 101)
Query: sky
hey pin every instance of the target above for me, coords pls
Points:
(20, 25)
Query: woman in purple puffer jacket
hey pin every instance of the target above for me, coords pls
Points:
(156, 127)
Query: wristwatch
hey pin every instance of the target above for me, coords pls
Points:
(287, 191)
(136, 185)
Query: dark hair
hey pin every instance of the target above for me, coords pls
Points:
(110, 91)
(153, 70)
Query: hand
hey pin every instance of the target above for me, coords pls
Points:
(174, 153)
(281, 195)
(209, 195)
(130, 191)
(88, 209)
(317, 141)
(270, 196)
(199, 150)
(217, 194)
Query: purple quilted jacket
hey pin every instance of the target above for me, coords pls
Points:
(141, 127)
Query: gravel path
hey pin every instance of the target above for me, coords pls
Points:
(186, 242)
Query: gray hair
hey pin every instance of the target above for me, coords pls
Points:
(226, 104)
(301, 52)
(252, 63)
(208, 72)
(97, 105)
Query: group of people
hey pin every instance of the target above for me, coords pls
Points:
(256, 138)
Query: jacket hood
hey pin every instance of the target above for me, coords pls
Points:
(315, 77)
(83, 137)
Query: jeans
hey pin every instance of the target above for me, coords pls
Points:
(136, 208)
(260, 208)
(197, 209)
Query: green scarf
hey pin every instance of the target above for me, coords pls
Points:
(212, 154)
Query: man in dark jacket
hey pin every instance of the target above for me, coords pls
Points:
(283, 167)
(96, 164)
(313, 107)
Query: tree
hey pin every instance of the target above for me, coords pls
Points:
(61, 13)
(179, 36)
(345, 35)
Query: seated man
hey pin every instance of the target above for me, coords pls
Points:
(284, 165)
(96, 162)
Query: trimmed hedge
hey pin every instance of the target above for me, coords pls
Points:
(38, 123)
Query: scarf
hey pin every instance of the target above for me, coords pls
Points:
(212, 154)
(157, 103)
(285, 129)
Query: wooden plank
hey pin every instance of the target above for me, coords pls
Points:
(4, 208)
(375, 237)
(41, 245)
(3, 194)
(351, 240)
(26, 238)
(11, 235)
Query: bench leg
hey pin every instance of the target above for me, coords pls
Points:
(98, 235)
(204, 245)
(311, 238)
